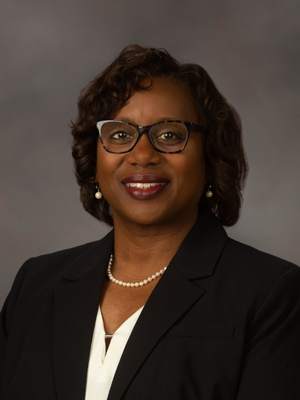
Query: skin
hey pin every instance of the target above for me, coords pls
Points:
(149, 232)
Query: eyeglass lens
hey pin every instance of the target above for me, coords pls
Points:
(168, 137)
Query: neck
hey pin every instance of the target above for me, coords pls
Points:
(141, 250)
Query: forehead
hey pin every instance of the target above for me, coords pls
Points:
(165, 100)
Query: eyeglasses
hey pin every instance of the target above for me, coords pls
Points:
(165, 136)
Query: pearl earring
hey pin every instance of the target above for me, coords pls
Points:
(98, 194)
(209, 193)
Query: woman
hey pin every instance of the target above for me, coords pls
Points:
(185, 312)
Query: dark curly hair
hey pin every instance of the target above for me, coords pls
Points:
(220, 124)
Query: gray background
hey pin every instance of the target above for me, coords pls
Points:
(51, 49)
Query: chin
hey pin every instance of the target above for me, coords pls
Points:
(149, 220)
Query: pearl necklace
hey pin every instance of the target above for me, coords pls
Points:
(129, 284)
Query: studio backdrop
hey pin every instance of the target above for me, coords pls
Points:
(51, 49)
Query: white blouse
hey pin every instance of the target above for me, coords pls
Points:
(102, 365)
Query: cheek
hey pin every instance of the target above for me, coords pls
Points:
(107, 171)
(103, 157)
(195, 161)
(197, 174)
(104, 165)
(190, 177)
(194, 173)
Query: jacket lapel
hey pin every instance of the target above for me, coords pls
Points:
(77, 300)
(174, 295)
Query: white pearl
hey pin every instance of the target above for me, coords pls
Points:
(129, 284)
(209, 194)
(98, 195)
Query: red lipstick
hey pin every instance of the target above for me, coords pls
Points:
(144, 187)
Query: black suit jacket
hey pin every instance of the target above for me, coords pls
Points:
(223, 323)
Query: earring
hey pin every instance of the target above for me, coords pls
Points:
(209, 193)
(98, 194)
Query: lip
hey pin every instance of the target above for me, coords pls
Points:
(145, 193)
(145, 178)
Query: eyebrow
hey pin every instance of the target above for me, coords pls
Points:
(124, 119)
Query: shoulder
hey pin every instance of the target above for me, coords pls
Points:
(253, 275)
(253, 260)
(54, 265)
(38, 276)
(43, 272)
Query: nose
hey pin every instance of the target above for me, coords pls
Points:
(143, 153)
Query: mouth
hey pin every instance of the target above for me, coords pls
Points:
(144, 187)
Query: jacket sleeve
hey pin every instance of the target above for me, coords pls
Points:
(271, 365)
(7, 312)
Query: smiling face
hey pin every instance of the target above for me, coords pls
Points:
(147, 187)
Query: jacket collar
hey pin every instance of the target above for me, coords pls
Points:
(173, 297)
(198, 255)
(95, 256)
(78, 295)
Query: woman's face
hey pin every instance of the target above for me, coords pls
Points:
(181, 176)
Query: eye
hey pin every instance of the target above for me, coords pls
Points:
(120, 135)
(169, 135)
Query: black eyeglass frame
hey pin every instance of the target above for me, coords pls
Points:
(146, 129)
